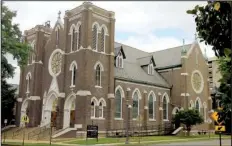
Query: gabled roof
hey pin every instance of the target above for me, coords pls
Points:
(132, 70)
(119, 49)
(146, 60)
(169, 57)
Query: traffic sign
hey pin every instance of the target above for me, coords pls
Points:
(214, 116)
(25, 119)
(220, 128)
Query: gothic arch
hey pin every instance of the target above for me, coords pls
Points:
(120, 90)
(98, 63)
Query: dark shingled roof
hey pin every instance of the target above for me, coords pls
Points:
(169, 57)
(132, 70)
(145, 60)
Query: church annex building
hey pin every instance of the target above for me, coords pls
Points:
(79, 72)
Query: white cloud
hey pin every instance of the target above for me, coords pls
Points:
(139, 18)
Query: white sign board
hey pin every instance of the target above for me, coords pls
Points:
(5, 121)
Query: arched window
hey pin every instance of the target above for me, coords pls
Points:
(98, 75)
(100, 110)
(197, 106)
(119, 60)
(57, 36)
(73, 40)
(102, 49)
(118, 104)
(135, 108)
(151, 108)
(73, 76)
(94, 37)
(165, 108)
(93, 108)
(79, 38)
(150, 69)
(28, 79)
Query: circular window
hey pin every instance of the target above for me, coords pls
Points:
(55, 63)
(197, 81)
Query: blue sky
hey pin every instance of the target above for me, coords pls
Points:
(149, 26)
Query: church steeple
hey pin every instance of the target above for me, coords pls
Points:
(183, 50)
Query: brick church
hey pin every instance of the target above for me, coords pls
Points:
(78, 74)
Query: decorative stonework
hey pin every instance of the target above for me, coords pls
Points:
(197, 81)
(55, 62)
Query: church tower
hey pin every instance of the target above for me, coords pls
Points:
(89, 43)
(30, 78)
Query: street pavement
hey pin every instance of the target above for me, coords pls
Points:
(215, 142)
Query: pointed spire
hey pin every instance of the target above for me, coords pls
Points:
(183, 51)
(59, 14)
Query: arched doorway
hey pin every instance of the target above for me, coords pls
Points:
(23, 111)
(50, 109)
(69, 111)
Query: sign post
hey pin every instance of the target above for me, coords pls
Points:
(25, 120)
(5, 122)
(92, 132)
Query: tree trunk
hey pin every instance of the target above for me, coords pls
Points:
(188, 130)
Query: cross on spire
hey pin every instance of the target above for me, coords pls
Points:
(59, 14)
(195, 36)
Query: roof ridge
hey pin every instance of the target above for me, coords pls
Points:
(171, 48)
(131, 47)
(145, 56)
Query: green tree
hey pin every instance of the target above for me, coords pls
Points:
(189, 118)
(213, 23)
(11, 43)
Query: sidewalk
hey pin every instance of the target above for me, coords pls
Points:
(109, 144)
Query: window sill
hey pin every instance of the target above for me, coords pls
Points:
(101, 118)
(118, 118)
(27, 92)
(72, 86)
(98, 86)
(152, 120)
(166, 120)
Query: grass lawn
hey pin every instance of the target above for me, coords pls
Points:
(150, 139)
(27, 144)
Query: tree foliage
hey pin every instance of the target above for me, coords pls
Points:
(11, 43)
(213, 24)
(189, 118)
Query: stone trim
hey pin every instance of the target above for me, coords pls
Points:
(34, 98)
(184, 74)
(126, 82)
(145, 107)
(83, 93)
(128, 89)
(144, 91)
(160, 108)
(78, 125)
(75, 17)
(184, 94)
(99, 16)
(110, 95)
(62, 95)
(184, 57)
(118, 119)
(19, 99)
(159, 94)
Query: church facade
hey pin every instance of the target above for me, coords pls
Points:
(78, 75)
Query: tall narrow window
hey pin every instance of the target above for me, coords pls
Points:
(102, 49)
(57, 36)
(73, 39)
(73, 76)
(93, 109)
(118, 104)
(151, 107)
(165, 108)
(79, 38)
(94, 37)
(150, 69)
(28, 85)
(98, 75)
(100, 110)
(135, 108)
(197, 106)
(119, 60)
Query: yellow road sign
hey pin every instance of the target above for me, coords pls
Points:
(220, 128)
(214, 116)
(25, 119)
